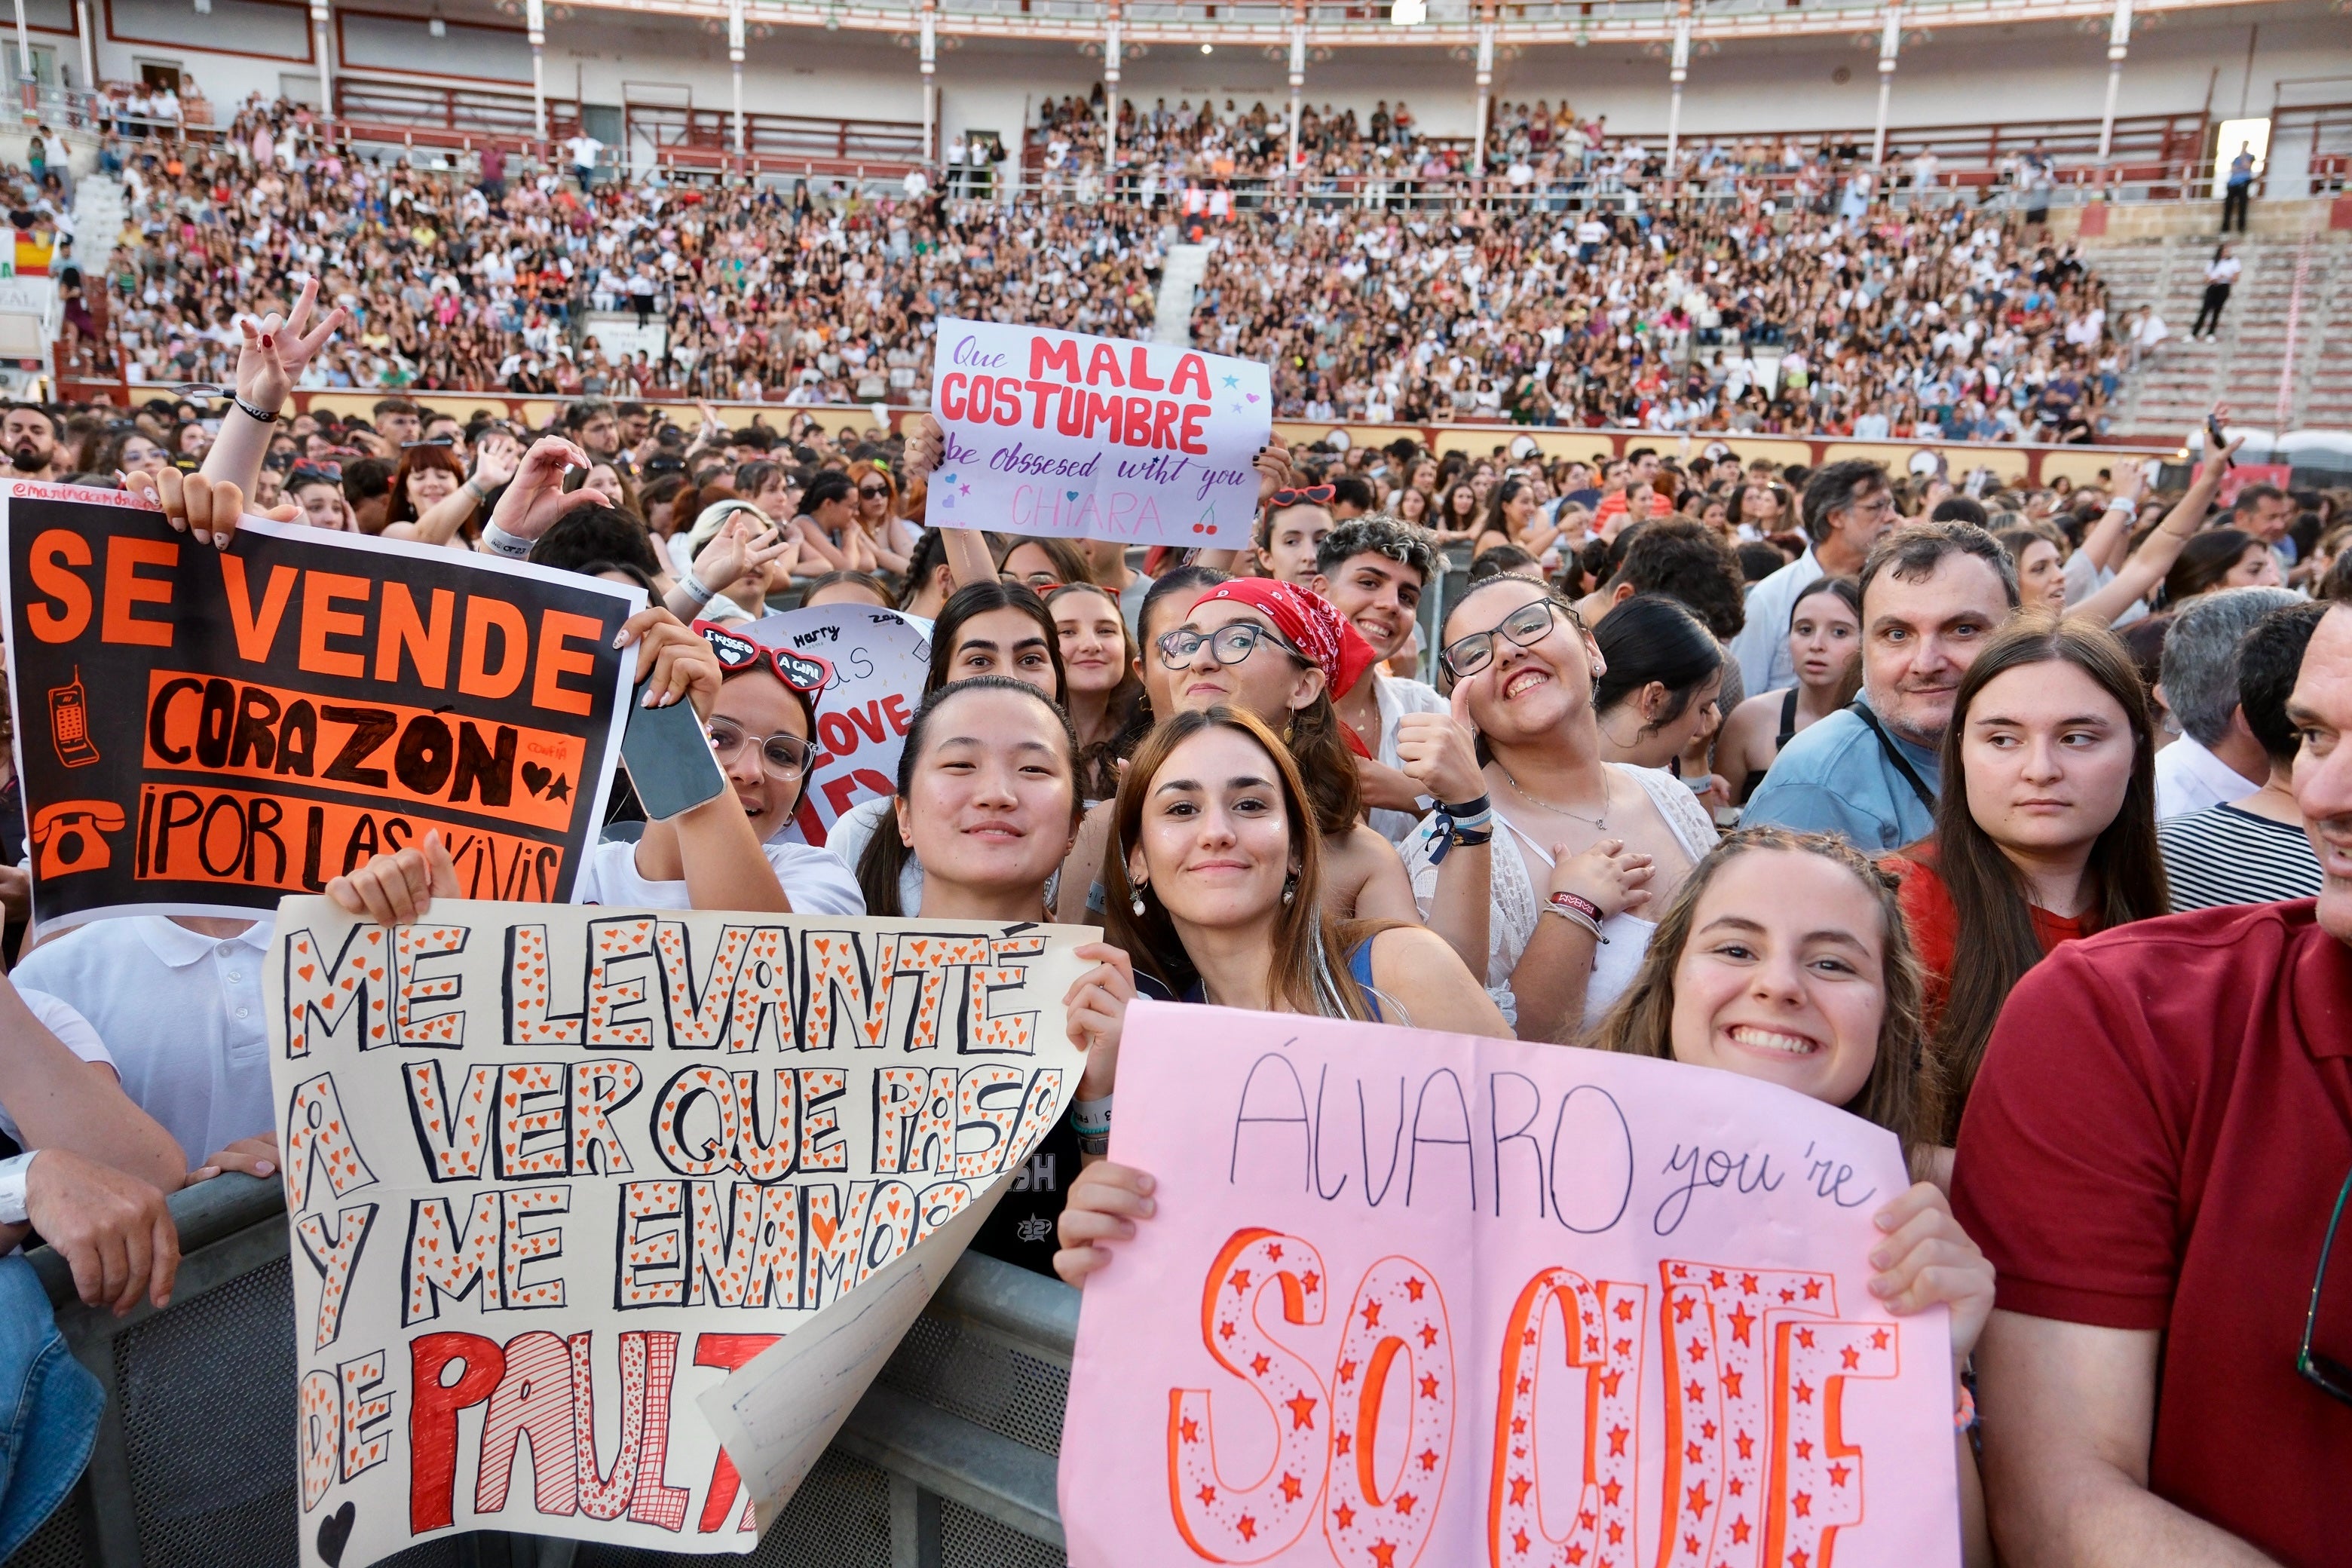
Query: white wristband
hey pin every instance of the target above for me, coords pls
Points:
(694, 588)
(15, 1175)
(498, 541)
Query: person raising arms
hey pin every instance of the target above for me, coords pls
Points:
(1579, 838)
(1825, 648)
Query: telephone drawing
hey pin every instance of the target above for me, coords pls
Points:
(71, 836)
(69, 723)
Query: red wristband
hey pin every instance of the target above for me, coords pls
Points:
(1579, 904)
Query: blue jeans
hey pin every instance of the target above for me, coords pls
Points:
(50, 1406)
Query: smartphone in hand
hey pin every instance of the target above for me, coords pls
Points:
(669, 759)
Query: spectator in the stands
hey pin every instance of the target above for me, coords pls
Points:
(2216, 758)
(2254, 849)
(1847, 506)
(1932, 593)
(2154, 1159)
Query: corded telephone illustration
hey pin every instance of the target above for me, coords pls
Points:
(70, 836)
(69, 723)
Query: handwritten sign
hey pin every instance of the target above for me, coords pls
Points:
(880, 660)
(1060, 433)
(202, 731)
(1415, 1298)
(554, 1172)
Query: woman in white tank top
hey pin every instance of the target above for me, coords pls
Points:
(1587, 842)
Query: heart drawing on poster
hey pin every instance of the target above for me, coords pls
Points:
(334, 1532)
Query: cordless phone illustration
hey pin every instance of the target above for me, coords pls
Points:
(69, 722)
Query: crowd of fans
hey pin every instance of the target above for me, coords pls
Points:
(1931, 762)
(1937, 323)
(1774, 311)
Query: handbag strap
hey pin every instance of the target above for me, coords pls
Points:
(1902, 764)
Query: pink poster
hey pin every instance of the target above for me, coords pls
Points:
(1413, 1298)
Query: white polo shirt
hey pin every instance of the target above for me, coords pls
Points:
(181, 1014)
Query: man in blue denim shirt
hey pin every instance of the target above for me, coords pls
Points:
(1931, 593)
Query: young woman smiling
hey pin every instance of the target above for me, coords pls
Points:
(1283, 654)
(1783, 958)
(761, 721)
(988, 629)
(1100, 664)
(2045, 829)
(1824, 642)
(1576, 836)
(1214, 900)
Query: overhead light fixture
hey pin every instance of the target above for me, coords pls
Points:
(436, 26)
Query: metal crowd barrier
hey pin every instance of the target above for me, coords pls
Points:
(949, 1462)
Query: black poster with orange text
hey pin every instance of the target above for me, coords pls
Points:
(203, 732)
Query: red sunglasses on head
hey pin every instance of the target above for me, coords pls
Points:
(1313, 495)
(803, 672)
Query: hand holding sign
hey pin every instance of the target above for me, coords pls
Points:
(1061, 433)
(208, 508)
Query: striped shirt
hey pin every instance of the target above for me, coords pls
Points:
(2225, 855)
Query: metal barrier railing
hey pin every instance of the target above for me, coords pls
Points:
(949, 1462)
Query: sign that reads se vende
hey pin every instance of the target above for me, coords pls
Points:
(1063, 433)
(203, 732)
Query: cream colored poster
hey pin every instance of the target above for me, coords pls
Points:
(553, 1172)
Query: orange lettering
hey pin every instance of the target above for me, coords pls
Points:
(126, 589)
(426, 642)
(255, 635)
(474, 678)
(557, 628)
(53, 553)
(322, 620)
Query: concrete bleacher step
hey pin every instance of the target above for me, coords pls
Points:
(1180, 281)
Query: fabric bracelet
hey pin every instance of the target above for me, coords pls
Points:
(694, 588)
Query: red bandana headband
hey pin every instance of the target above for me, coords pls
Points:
(1309, 621)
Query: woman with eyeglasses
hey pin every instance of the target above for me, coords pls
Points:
(1281, 654)
(761, 721)
(987, 630)
(1042, 566)
(1578, 839)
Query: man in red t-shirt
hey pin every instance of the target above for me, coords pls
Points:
(2150, 1156)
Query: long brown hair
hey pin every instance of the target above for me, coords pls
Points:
(1098, 760)
(1901, 1092)
(1995, 925)
(1304, 977)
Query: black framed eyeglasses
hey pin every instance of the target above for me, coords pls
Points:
(1527, 626)
(1227, 644)
(2332, 1376)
